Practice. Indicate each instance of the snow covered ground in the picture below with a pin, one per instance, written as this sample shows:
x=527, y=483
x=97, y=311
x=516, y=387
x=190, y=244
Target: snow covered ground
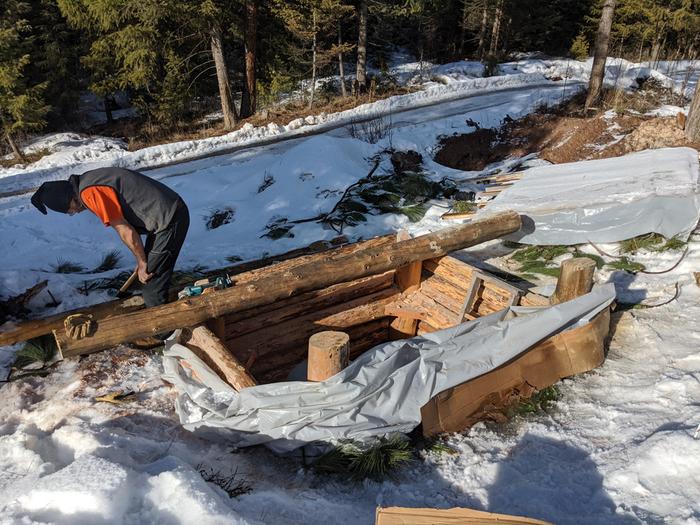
x=620, y=445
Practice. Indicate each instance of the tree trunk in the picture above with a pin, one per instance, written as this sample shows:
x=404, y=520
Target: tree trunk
x=313, y=57
x=595, y=83
x=227, y=106
x=341, y=66
x=108, y=109
x=18, y=154
x=362, y=46
x=495, y=30
x=506, y=37
x=692, y=124
x=463, y=27
x=249, y=100
x=277, y=285
x=482, y=33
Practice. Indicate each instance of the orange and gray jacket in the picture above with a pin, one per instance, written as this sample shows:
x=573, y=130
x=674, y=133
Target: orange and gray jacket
x=148, y=205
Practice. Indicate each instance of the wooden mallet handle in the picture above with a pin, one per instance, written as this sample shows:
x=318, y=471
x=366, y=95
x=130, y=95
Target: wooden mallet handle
x=129, y=282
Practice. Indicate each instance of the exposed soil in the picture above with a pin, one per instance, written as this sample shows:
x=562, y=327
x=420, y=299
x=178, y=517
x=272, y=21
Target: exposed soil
x=406, y=161
x=561, y=138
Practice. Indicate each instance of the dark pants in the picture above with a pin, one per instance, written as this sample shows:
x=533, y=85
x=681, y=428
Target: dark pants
x=162, y=249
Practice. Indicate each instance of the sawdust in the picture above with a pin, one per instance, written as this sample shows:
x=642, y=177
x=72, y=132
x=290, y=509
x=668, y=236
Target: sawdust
x=651, y=134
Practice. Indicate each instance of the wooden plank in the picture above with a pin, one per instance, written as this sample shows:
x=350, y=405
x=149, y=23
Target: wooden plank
x=567, y=353
x=279, y=285
x=425, y=328
x=451, y=269
x=480, y=281
x=407, y=280
x=212, y=351
x=454, y=516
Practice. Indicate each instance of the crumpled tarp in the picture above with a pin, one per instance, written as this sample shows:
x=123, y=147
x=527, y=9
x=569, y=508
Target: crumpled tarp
x=380, y=392
x=606, y=200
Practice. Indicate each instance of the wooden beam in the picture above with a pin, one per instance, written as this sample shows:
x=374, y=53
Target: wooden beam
x=575, y=279
x=243, y=272
x=407, y=279
x=309, y=303
x=212, y=351
x=278, y=285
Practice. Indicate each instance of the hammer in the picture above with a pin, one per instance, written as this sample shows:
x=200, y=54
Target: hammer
x=123, y=291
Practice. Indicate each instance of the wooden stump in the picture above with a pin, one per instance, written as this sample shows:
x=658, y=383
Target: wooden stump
x=575, y=279
x=328, y=354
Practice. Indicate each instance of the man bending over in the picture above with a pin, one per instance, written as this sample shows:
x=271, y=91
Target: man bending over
x=133, y=205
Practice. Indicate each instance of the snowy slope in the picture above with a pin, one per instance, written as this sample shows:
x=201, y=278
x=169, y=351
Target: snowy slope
x=619, y=447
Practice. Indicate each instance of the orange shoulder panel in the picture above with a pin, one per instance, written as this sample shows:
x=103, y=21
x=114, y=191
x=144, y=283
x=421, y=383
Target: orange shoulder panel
x=103, y=202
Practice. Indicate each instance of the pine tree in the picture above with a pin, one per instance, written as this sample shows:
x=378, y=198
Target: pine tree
x=22, y=106
x=313, y=24
x=692, y=125
x=595, y=83
x=137, y=45
x=55, y=59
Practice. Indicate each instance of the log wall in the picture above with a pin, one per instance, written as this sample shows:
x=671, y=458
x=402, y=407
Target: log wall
x=272, y=339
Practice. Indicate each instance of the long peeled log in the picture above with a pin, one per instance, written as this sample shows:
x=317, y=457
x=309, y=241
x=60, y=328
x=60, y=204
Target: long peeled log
x=285, y=283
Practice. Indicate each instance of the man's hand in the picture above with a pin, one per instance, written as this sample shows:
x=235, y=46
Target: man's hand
x=142, y=271
x=132, y=239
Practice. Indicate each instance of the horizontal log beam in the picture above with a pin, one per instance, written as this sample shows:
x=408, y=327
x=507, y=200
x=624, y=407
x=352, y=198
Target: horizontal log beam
x=297, y=331
x=279, y=285
x=241, y=323
x=244, y=272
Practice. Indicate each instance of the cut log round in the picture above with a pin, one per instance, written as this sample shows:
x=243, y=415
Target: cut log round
x=328, y=354
x=279, y=285
x=575, y=279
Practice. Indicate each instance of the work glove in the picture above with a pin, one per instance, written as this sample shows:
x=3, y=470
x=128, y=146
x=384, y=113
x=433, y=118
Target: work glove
x=78, y=325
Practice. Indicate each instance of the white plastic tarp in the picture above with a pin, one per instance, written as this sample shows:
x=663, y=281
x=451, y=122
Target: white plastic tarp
x=606, y=200
x=380, y=392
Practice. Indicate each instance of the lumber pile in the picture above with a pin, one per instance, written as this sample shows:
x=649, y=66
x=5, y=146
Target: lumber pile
x=494, y=185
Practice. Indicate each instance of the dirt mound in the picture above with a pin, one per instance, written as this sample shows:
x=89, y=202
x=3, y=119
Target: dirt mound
x=557, y=139
x=561, y=138
x=471, y=151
